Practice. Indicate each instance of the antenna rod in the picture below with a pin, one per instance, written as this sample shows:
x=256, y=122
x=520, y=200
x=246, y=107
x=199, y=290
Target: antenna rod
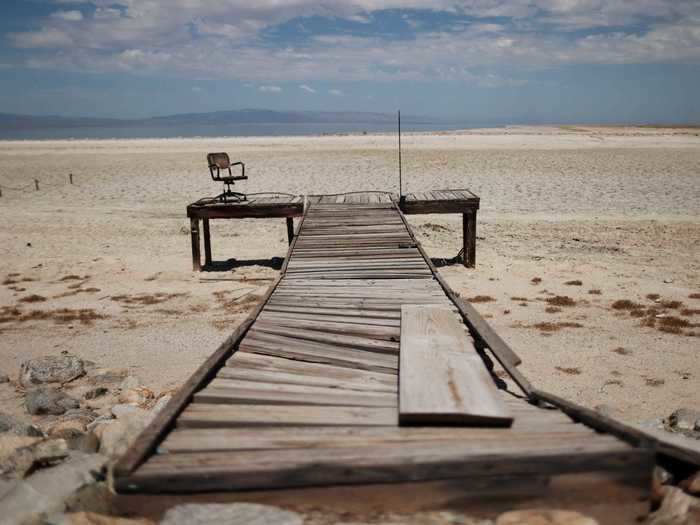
x=400, y=185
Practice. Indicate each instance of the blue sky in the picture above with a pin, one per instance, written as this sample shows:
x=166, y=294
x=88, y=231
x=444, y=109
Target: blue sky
x=500, y=60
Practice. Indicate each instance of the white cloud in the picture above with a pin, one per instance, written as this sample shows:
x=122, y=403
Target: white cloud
x=306, y=88
x=69, y=16
x=46, y=37
x=187, y=37
x=270, y=89
x=336, y=92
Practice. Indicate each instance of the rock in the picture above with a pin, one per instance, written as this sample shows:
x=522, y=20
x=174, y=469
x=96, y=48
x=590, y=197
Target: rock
x=27, y=458
x=606, y=410
x=96, y=392
x=683, y=419
x=676, y=509
x=233, y=514
x=544, y=517
x=72, y=424
x=117, y=435
x=4, y=378
x=161, y=403
x=120, y=411
x=136, y=396
x=17, y=427
x=100, y=420
x=691, y=484
x=48, y=400
x=50, y=369
x=51, y=490
x=101, y=376
x=130, y=383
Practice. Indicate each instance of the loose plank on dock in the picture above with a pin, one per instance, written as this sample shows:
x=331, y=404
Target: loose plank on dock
x=307, y=391
x=442, y=379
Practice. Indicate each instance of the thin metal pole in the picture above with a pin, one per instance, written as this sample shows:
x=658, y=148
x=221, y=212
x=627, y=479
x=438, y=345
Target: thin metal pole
x=400, y=182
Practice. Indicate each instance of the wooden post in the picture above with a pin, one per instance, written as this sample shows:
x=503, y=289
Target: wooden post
x=207, y=242
x=469, y=238
x=290, y=229
x=70, y=178
x=194, y=229
x=36, y=184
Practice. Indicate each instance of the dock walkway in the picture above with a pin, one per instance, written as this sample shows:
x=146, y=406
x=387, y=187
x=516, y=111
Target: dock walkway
x=305, y=392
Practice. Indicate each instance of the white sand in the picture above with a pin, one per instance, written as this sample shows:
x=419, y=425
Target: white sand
x=617, y=208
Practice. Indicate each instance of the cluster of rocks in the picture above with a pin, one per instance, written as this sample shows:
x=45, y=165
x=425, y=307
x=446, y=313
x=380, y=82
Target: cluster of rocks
x=684, y=421
x=78, y=418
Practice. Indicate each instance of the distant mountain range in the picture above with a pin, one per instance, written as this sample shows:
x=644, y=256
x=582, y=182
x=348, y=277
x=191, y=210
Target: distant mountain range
x=10, y=122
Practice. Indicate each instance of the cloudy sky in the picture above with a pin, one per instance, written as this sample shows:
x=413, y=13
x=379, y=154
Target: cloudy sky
x=536, y=60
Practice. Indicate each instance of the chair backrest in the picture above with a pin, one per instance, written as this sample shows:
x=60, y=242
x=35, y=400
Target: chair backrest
x=220, y=161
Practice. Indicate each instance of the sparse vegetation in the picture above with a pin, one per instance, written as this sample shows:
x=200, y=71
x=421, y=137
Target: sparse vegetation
x=595, y=291
x=555, y=327
x=671, y=304
x=690, y=311
x=536, y=280
x=552, y=309
x=622, y=351
x=33, y=299
x=561, y=300
x=651, y=381
x=694, y=296
x=653, y=296
x=626, y=304
x=146, y=299
x=571, y=371
x=480, y=299
x=519, y=299
x=575, y=282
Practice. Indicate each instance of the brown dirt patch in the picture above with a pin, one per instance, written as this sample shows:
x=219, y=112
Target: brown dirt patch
x=561, y=300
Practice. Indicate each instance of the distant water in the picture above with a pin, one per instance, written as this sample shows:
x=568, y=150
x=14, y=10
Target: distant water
x=225, y=130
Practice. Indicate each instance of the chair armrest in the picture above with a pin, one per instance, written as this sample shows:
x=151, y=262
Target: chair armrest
x=241, y=165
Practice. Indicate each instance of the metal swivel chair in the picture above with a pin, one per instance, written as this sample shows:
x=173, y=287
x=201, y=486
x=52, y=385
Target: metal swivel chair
x=219, y=162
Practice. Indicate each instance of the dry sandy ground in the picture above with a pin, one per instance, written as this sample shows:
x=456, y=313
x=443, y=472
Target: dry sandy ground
x=102, y=268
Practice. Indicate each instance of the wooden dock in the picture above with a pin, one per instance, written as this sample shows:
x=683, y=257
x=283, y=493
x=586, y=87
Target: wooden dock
x=275, y=205
x=305, y=392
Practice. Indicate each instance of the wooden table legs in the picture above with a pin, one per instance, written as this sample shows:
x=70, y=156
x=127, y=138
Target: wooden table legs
x=290, y=229
x=207, y=242
x=194, y=230
x=469, y=238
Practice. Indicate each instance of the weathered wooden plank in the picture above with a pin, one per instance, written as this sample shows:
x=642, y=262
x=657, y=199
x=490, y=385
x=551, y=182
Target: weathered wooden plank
x=378, y=464
x=270, y=438
x=239, y=391
x=200, y=415
x=441, y=376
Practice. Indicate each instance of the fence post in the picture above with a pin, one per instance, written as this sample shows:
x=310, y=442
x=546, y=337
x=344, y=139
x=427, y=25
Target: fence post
x=36, y=184
x=70, y=177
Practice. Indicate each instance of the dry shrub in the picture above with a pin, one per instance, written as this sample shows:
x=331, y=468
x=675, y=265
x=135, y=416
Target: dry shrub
x=33, y=299
x=675, y=322
x=536, y=280
x=9, y=281
x=671, y=304
x=595, y=291
x=555, y=327
x=614, y=382
x=648, y=322
x=575, y=282
x=60, y=316
x=622, y=351
x=506, y=312
x=625, y=304
x=651, y=381
x=552, y=309
x=72, y=277
x=653, y=296
x=435, y=227
x=146, y=299
x=561, y=300
x=690, y=311
x=480, y=299
x=694, y=296
x=638, y=313
x=521, y=299
x=9, y=314
x=570, y=371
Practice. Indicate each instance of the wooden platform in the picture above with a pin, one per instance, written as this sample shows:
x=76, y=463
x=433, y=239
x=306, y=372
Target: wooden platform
x=274, y=205
x=304, y=393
